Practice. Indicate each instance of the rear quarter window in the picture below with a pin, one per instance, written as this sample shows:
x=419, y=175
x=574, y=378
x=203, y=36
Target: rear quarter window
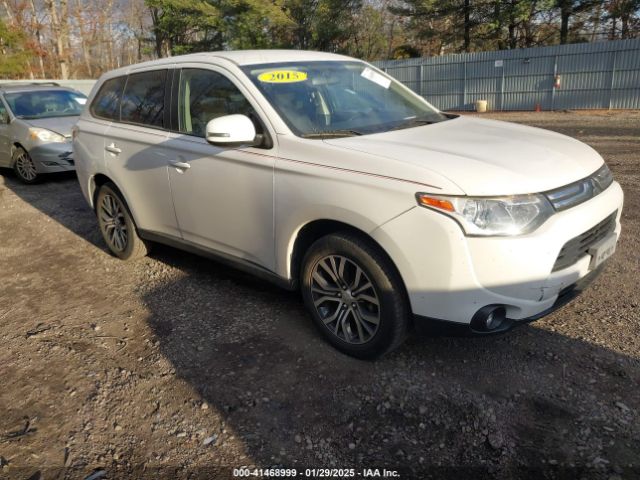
x=107, y=101
x=143, y=99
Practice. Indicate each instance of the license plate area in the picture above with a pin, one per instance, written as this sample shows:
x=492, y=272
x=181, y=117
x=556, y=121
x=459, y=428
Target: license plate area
x=602, y=250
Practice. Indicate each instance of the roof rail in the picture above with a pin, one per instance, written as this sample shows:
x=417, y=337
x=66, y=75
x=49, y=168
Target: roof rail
x=27, y=83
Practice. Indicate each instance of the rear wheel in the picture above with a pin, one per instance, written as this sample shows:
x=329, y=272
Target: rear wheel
x=24, y=167
x=117, y=226
x=354, y=295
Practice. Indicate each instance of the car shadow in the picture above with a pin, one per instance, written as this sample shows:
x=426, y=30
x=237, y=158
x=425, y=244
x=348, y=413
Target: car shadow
x=534, y=403
x=70, y=210
x=529, y=404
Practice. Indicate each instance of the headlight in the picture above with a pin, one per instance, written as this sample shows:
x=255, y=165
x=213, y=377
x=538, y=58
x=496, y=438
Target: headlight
x=603, y=178
x=500, y=216
x=45, y=135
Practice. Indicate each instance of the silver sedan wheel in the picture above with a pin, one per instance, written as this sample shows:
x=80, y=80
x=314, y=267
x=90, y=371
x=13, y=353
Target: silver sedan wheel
x=113, y=222
x=345, y=299
x=25, y=167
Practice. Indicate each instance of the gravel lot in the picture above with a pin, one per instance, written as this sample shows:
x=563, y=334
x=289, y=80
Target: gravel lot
x=177, y=367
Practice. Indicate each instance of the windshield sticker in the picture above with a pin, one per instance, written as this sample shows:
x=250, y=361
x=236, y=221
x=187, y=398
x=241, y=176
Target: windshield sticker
x=375, y=77
x=81, y=101
x=282, y=76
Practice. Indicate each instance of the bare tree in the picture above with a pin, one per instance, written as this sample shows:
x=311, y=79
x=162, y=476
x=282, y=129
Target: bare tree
x=60, y=28
x=84, y=36
x=36, y=26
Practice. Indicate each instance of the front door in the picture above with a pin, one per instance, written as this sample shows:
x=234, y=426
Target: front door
x=5, y=137
x=223, y=197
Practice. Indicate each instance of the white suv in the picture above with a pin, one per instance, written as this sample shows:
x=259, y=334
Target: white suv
x=322, y=173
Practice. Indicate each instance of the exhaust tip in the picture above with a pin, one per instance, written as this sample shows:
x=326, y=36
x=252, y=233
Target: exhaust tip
x=491, y=318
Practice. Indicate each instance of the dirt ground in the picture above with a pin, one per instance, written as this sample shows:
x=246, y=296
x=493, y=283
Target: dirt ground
x=177, y=367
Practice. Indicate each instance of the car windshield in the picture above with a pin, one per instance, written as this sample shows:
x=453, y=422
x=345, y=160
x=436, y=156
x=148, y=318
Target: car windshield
x=334, y=99
x=45, y=103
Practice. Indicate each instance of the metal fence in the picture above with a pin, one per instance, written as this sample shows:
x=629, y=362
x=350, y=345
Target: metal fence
x=603, y=75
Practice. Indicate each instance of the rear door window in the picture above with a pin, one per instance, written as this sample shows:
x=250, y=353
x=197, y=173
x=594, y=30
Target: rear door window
x=143, y=99
x=107, y=101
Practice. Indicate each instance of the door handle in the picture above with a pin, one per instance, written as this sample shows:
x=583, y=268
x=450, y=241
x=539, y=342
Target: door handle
x=113, y=148
x=180, y=165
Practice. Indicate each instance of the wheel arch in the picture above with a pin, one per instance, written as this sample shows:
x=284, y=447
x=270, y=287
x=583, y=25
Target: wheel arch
x=100, y=179
x=14, y=147
x=317, y=229
x=95, y=183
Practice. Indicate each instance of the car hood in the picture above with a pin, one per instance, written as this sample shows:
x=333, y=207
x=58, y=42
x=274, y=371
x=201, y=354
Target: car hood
x=484, y=157
x=61, y=125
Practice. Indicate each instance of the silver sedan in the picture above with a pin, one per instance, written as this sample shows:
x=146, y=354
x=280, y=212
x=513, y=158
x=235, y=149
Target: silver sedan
x=35, y=128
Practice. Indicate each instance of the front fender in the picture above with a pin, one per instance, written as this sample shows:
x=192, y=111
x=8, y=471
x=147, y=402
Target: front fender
x=346, y=198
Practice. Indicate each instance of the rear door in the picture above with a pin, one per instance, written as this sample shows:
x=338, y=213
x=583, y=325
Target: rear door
x=88, y=142
x=135, y=151
x=223, y=196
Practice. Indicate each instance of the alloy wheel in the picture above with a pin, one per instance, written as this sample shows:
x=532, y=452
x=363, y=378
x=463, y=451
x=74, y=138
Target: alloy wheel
x=345, y=299
x=26, y=167
x=113, y=221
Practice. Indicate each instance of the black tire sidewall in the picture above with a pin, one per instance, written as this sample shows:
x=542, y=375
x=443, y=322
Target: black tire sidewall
x=393, y=306
x=132, y=236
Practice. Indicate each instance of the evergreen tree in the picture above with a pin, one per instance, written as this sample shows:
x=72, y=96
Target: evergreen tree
x=14, y=53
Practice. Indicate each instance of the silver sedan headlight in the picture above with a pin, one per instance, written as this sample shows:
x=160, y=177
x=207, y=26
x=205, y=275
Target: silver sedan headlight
x=499, y=216
x=45, y=135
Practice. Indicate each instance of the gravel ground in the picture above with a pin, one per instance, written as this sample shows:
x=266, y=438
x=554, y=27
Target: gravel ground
x=177, y=367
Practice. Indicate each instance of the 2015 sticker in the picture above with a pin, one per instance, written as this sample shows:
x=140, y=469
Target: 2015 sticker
x=282, y=76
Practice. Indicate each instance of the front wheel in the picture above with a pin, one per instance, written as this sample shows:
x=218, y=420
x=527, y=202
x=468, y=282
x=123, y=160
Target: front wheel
x=24, y=167
x=355, y=295
x=117, y=226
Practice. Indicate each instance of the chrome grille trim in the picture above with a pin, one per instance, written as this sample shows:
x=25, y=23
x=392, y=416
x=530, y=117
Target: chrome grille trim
x=579, y=192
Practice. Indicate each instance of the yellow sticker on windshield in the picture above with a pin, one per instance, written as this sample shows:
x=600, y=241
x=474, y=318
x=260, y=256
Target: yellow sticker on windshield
x=282, y=76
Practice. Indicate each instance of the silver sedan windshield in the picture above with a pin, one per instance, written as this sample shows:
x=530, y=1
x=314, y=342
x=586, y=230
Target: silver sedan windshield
x=324, y=99
x=45, y=103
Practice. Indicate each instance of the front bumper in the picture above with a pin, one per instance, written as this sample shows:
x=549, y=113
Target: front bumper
x=53, y=157
x=433, y=326
x=449, y=276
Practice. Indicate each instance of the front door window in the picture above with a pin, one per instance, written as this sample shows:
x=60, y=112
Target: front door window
x=205, y=95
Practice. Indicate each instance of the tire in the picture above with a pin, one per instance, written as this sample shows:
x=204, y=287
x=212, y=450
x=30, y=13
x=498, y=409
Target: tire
x=343, y=308
x=117, y=226
x=24, y=167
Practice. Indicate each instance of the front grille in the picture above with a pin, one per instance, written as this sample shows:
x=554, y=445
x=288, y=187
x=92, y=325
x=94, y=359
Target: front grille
x=578, y=247
x=580, y=191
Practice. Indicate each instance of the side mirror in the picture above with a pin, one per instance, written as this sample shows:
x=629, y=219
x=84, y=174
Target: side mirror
x=231, y=131
x=4, y=118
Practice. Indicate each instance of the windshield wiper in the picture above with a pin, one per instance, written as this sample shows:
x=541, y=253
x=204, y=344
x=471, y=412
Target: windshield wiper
x=332, y=134
x=413, y=122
